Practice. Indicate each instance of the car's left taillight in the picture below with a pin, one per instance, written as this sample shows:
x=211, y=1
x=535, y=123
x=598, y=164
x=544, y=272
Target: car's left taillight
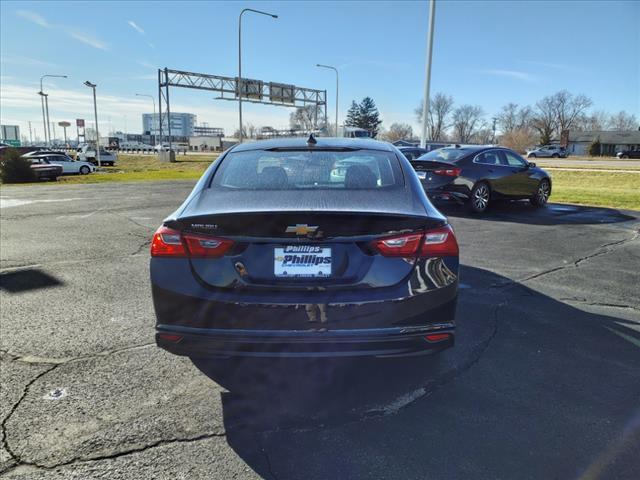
x=168, y=242
x=435, y=242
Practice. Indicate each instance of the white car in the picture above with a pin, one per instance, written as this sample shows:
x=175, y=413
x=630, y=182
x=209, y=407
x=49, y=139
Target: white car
x=88, y=154
x=68, y=164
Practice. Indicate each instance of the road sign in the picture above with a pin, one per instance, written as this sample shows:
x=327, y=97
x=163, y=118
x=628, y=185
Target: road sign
x=13, y=143
x=80, y=122
x=64, y=124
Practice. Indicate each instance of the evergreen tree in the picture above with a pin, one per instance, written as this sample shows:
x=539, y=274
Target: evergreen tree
x=594, y=148
x=369, y=116
x=353, y=115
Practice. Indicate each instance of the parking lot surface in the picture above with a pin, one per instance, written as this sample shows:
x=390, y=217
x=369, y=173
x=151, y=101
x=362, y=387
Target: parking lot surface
x=544, y=380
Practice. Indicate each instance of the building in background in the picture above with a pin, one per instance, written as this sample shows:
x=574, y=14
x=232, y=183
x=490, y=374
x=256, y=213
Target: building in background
x=10, y=134
x=182, y=124
x=611, y=142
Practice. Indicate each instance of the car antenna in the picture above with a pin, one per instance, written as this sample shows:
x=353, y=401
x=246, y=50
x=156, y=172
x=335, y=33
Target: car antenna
x=311, y=140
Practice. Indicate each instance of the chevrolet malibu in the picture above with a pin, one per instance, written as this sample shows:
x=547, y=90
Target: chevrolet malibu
x=301, y=248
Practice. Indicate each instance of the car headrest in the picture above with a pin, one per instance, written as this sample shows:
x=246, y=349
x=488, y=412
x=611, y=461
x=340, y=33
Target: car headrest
x=273, y=177
x=360, y=176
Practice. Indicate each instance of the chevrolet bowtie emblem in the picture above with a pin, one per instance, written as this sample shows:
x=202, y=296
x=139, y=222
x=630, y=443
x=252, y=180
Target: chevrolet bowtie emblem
x=301, y=229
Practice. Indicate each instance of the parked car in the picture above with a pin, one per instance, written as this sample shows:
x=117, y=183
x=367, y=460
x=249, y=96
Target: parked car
x=68, y=164
x=272, y=255
x=548, y=151
x=44, y=169
x=413, y=152
x=87, y=153
x=633, y=153
x=478, y=175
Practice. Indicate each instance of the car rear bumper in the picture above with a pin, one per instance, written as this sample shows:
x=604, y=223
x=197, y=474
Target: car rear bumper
x=382, y=342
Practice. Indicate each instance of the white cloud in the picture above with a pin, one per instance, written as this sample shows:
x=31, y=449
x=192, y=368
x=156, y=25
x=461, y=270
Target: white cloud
x=69, y=30
x=136, y=27
x=515, y=74
x=89, y=40
x=34, y=18
x=151, y=45
x=555, y=66
x=146, y=64
x=26, y=61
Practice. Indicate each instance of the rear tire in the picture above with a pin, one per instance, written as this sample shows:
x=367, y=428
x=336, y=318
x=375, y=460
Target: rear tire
x=542, y=194
x=555, y=155
x=480, y=197
x=532, y=155
x=626, y=157
x=84, y=170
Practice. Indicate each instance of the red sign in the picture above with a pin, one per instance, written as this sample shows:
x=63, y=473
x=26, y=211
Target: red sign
x=80, y=122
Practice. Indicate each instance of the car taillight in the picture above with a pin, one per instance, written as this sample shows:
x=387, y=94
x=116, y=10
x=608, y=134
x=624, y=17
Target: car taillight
x=436, y=242
x=440, y=242
x=168, y=242
x=448, y=172
x=400, y=246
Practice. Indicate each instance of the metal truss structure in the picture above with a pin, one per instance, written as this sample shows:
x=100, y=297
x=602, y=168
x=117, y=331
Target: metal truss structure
x=254, y=91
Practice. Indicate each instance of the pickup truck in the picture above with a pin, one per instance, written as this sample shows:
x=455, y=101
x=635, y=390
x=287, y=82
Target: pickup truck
x=87, y=153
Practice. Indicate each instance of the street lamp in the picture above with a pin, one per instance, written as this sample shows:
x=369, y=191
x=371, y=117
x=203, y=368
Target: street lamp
x=153, y=122
x=337, y=85
x=240, y=59
x=95, y=111
x=44, y=100
x=427, y=80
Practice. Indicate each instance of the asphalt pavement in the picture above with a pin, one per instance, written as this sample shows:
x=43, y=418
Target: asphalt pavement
x=543, y=383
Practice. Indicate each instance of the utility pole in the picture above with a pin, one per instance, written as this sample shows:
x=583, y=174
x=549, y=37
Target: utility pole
x=95, y=111
x=427, y=80
x=239, y=82
x=30, y=134
x=337, y=90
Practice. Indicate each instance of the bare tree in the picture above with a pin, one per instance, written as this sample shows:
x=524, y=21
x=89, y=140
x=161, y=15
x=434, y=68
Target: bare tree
x=466, y=120
x=508, y=118
x=438, y=117
x=304, y=118
x=623, y=121
x=519, y=139
x=568, y=108
x=598, y=120
x=513, y=117
x=397, y=131
x=545, y=120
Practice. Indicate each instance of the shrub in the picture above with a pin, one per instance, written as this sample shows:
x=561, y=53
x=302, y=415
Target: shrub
x=14, y=168
x=594, y=148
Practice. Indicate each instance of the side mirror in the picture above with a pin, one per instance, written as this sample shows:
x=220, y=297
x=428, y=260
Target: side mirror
x=531, y=165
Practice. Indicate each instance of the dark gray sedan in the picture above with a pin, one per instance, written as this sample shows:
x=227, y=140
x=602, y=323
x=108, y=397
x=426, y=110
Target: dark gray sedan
x=324, y=247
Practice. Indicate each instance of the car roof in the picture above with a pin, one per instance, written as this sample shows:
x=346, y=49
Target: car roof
x=322, y=142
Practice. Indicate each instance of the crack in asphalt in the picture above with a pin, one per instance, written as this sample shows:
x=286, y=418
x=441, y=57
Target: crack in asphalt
x=32, y=359
x=601, y=250
x=584, y=301
x=114, y=455
x=5, y=441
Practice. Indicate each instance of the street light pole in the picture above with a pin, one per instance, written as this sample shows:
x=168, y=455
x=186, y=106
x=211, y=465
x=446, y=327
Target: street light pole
x=95, y=111
x=337, y=89
x=153, y=122
x=45, y=104
x=427, y=80
x=239, y=82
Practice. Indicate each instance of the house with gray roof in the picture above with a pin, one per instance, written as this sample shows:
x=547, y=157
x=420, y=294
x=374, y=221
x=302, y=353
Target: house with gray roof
x=611, y=142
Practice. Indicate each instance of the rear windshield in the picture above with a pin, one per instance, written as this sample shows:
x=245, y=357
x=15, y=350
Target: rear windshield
x=306, y=169
x=446, y=154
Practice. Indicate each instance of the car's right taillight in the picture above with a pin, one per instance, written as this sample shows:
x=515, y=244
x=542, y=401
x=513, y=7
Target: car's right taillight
x=439, y=242
x=435, y=242
x=168, y=242
x=448, y=172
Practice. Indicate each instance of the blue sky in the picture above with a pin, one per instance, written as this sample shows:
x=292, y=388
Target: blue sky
x=485, y=53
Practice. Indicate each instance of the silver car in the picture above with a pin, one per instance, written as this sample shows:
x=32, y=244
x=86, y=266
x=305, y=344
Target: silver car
x=548, y=151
